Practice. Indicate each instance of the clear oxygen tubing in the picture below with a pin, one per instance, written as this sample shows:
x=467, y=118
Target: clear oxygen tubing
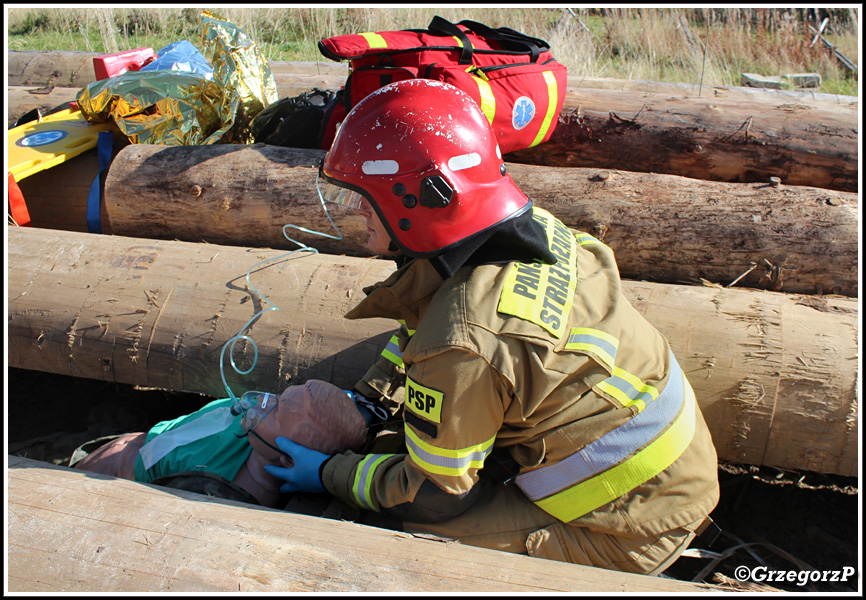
x=230, y=343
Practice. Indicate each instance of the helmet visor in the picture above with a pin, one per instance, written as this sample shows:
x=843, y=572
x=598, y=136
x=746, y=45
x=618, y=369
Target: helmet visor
x=330, y=192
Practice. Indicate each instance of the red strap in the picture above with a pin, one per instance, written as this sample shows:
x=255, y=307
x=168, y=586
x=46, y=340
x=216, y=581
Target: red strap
x=17, y=206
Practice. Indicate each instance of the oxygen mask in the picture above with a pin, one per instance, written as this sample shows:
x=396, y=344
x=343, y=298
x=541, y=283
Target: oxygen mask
x=256, y=406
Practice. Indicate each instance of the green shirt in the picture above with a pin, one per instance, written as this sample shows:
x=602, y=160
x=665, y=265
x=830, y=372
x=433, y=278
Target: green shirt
x=221, y=447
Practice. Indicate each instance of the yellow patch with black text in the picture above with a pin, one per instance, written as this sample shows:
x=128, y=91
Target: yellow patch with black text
x=423, y=401
x=543, y=294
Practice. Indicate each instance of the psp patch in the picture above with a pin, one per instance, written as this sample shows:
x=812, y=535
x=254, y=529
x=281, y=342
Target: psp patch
x=423, y=401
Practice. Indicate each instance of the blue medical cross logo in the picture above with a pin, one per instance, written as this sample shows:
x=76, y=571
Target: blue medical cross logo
x=522, y=114
x=41, y=138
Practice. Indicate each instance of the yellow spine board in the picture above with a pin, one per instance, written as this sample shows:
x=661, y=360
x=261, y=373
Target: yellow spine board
x=39, y=145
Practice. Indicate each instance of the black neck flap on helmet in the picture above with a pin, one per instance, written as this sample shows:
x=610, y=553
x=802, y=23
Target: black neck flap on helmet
x=519, y=239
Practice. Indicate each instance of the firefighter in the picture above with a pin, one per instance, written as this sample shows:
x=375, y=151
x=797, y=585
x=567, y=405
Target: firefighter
x=542, y=414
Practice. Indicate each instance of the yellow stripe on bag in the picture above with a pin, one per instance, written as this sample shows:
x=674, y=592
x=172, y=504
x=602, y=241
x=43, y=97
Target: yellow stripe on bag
x=488, y=100
x=552, y=97
x=374, y=40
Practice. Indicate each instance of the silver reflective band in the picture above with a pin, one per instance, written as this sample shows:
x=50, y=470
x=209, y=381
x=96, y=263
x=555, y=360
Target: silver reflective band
x=338, y=195
x=612, y=448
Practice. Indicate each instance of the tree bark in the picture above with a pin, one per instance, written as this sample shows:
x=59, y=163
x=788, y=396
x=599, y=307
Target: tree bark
x=716, y=139
x=775, y=374
x=21, y=100
x=71, y=531
x=663, y=228
x=725, y=137
x=75, y=69
x=64, y=207
x=61, y=68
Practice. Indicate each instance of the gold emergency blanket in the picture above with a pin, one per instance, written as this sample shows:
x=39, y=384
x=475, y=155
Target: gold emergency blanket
x=183, y=108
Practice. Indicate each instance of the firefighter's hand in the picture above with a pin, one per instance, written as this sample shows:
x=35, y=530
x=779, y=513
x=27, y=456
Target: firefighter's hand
x=305, y=475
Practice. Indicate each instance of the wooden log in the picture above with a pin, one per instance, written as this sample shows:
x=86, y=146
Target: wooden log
x=775, y=374
x=73, y=531
x=812, y=98
x=20, y=100
x=54, y=206
x=61, y=68
x=195, y=300
x=57, y=198
x=293, y=80
x=663, y=228
x=716, y=139
x=75, y=69
x=802, y=142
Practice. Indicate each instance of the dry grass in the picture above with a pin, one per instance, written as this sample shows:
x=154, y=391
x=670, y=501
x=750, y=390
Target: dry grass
x=654, y=44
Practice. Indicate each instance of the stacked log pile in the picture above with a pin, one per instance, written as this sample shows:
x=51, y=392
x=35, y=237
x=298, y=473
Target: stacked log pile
x=664, y=228
x=775, y=374
x=732, y=218
x=729, y=136
x=733, y=214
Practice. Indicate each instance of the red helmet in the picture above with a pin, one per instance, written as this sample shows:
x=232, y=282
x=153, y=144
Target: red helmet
x=425, y=157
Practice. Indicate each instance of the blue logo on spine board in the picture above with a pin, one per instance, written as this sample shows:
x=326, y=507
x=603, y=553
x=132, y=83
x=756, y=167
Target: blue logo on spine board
x=41, y=138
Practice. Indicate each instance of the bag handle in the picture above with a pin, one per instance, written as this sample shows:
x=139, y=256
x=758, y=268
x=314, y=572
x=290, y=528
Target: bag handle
x=509, y=38
x=440, y=25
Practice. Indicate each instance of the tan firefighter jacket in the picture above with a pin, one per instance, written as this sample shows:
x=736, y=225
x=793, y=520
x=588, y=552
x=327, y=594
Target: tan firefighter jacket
x=551, y=363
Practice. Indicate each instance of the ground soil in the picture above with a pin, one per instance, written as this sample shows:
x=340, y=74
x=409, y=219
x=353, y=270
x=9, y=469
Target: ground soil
x=782, y=520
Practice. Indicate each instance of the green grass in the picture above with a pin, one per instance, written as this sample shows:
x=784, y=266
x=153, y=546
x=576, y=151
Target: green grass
x=652, y=44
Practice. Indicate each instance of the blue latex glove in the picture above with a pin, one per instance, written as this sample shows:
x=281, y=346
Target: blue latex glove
x=305, y=475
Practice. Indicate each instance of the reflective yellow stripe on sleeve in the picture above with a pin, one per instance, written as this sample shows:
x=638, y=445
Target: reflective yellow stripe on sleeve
x=584, y=238
x=624, y=387
x=411, y=332
x=364, y=479
x=628, y=389
x=374, y=40
x=550, y=115
x=392, y=351
x=444, y=461
x=643, y=466
x=600, y=344
x=392, y=348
